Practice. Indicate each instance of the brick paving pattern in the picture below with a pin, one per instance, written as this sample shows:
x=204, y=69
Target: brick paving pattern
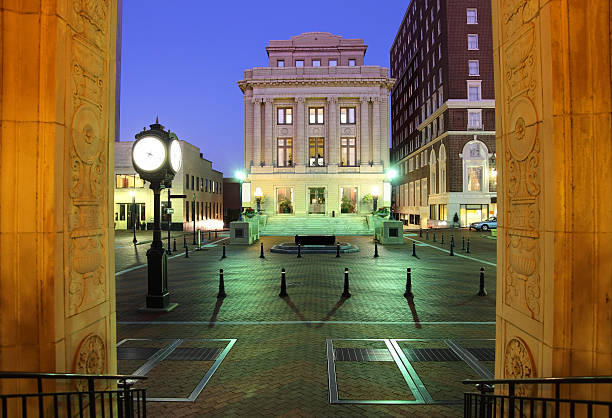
x=278, y=366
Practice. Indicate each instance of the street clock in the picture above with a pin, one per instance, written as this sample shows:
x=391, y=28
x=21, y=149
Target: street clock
x=157, y=154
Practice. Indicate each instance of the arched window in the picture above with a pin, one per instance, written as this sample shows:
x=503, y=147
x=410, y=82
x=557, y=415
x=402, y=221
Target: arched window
x=475, y=157
x=433, y=185
x=442, y=164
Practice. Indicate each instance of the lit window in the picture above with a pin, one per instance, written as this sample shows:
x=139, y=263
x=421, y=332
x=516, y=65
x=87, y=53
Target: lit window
x=284, y=199
x=472, y=16
x=352, y=62
x=347, y=115
x=316, y=63
x=315, y=115
x=285, y=152
x=472, y=42
x=474, y=119
x=474, y=67
x=347, y=152
x=333, y=63
x=285, y=115
x=316, y=152
x=125, y=181
x=473, y=91
x=299, y=63
x=280, y=63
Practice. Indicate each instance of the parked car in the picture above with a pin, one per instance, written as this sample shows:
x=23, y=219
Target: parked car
x=490, y=223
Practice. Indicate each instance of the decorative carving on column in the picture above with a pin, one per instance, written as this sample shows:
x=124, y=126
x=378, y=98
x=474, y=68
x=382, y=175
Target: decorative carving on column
x=522, y=179
x=518, y=363
x=90, y=358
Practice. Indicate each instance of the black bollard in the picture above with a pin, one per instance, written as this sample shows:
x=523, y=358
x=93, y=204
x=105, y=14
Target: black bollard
x=408, y=293
x=184, y=241
x=283, y=292
x=467, y=250
x=221, y=293
x=209, y=234
x=452, y=240
x=261, y=254
x=413, y=249
x=463, y=243
x=442, y=239
x=216, y=234
x=299, y=251
x=427, y=234
x=376, y=250
x=337, y=250
x=186, y=251
x=420, y=232
x=481, y=291
x=174, y=249
x=451, y=252
x=346, y=293
x=434, y=237
x=223, y=256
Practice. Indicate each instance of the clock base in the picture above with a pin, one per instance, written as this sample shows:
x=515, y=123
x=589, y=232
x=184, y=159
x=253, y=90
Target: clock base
x=168, y=308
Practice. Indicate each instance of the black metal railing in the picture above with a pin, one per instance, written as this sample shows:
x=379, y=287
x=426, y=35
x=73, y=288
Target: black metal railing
x=96, y=396
x=515, y=398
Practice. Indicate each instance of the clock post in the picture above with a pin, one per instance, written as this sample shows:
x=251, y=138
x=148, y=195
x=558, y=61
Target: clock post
x=157, y=158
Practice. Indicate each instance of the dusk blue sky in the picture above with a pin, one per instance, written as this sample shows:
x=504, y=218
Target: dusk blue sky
x=181, y=60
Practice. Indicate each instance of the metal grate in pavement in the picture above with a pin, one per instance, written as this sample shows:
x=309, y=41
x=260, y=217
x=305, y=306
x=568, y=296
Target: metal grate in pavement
x=483, y=354
x=135, y=353
x=362, y=354
x=194, y=354
x=430, y=354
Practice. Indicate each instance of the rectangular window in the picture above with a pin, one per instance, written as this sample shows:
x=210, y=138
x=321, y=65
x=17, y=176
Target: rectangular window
x=473, y=91
x=186, y=181
x=348, y=152
x=122, y=212
x=206, y=189
x=347, y=115
x=316, y=63
x=474, y=179
x=316, y=152
x=474, y=119
x=299, y=63
x=474, y=67
x=284, y=199
x=125, y=181
x=197, y=216
x=472, y=42
x=186, y=211
x=192, y=183
x=315, y=115
x=285, y=152
x=442, y=212
x=284, y=116
x=280, y=63
x=432, y=212
x=352, y=62
x=472, y=16
x=333, y=63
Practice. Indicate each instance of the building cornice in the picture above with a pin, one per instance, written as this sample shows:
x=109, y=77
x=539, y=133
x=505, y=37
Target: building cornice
x=386, y=83
x=457, y=104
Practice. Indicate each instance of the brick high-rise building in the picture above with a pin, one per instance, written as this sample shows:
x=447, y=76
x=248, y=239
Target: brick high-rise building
x=443, y=113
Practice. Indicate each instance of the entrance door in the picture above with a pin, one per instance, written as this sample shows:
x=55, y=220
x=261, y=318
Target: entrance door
x=316, y=200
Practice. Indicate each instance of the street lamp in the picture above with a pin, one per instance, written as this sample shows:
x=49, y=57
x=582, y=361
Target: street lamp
x=240, y=176
x=375, y=193
x=258, y=196
x=391, y=174
x=157, y=157
x=133, y=194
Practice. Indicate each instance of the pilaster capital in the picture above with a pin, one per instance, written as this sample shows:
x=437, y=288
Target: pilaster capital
x=300, y=99
x=364, y=99
x=256, y=99
x=332, y=99
x=376, y=99
x=268, y=100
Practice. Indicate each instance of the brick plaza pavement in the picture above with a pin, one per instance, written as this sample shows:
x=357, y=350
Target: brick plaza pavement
x=278, y=365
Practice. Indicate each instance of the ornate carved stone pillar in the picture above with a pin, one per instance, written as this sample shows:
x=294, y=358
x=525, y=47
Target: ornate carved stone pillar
x=248, y=130
x=56, y=188
x=268, y=125
x=554, y=153
x=299, y=144
x=257, y=143
x=332, y=131
x=364, y=140
x=376, y=130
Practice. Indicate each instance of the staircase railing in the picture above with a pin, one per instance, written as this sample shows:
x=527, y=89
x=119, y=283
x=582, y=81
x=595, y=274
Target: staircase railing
x=114, y=396
x=518, y=399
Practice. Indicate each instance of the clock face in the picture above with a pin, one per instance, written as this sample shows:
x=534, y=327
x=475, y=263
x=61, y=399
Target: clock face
x=176, y=155
x=149, y=153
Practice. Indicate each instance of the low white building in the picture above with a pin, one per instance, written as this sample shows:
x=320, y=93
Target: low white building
x=197, y=180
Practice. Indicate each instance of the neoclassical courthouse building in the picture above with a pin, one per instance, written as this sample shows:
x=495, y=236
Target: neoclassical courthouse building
x=316, y=128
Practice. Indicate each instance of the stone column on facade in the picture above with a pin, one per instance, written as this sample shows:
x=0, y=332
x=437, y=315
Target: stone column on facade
x=248, y=131
x=257, y=143
x=364, y=141
x=268, y=125
x=56, y=189
x=553, y=270
x=299, y=144
x=376, y=130
x=384, y=132
x=332, y=132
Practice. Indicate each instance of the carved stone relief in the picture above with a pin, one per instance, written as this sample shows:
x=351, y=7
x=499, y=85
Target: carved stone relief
x=90, y=358
x=519, y=364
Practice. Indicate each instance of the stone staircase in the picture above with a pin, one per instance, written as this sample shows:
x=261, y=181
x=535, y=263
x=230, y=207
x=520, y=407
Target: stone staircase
x=316, y=225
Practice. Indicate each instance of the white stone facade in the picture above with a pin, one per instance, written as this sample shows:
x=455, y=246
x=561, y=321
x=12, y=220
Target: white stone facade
x=358, y=93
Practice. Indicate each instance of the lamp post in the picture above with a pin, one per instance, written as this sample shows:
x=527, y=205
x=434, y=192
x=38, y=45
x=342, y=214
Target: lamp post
x=157, y=157
x=258, y=196
x=391, y=174
x=375, y=193
x=133, y=194
x=240, y=176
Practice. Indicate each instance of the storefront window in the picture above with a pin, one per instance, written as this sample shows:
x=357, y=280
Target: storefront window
x=284, y=199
